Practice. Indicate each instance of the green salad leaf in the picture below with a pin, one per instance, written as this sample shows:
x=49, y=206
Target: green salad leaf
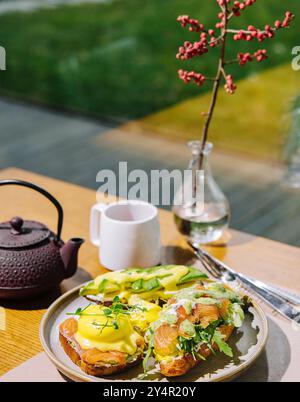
x=218, y=338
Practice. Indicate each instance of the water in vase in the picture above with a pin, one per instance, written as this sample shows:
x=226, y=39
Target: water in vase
x=200, y=227
x=204, y=218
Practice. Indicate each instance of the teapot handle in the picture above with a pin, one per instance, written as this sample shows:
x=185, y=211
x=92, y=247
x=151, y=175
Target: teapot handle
x=46, y=194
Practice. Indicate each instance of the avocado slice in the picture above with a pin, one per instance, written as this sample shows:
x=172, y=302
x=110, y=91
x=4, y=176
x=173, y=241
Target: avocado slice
x=105, y=286
x=192, y=275
x=89, y=289
x=151, y=284
x=142, y=285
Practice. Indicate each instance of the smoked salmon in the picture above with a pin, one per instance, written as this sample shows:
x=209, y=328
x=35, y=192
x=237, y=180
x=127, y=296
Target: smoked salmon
x=196, y=322
x=93, y=361
x=165, y=339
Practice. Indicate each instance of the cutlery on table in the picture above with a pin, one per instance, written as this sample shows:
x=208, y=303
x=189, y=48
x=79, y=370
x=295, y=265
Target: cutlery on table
x=280, y=302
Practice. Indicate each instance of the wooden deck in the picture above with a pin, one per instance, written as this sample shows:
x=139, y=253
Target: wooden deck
x=74, y=149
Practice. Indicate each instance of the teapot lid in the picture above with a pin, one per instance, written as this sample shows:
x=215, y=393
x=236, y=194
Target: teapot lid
x=18, y=233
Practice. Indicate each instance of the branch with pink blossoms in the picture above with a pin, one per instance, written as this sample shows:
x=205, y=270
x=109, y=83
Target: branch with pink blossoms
x=217, y=37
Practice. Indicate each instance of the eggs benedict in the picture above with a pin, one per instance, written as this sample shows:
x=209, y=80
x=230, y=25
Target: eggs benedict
x=174, y=314
x=101, y=340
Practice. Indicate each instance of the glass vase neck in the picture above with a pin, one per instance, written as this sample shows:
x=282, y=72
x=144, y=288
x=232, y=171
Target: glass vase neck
x=197, y=162
x=196, y=146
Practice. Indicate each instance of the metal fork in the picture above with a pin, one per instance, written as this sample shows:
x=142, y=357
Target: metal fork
x=219, y=267
x=222, y=272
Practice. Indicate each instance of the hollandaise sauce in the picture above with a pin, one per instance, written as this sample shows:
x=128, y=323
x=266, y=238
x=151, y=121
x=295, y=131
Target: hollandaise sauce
x=150, y=284
x=105, y=332
x=143, y=312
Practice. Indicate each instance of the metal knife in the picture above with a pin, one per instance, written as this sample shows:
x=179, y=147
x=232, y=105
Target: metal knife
x=228, y=275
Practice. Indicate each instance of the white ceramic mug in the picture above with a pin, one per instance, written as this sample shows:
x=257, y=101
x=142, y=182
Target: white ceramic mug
x=127, y=234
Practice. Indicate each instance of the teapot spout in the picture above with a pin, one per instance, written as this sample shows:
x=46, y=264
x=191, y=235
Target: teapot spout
x=69, y=255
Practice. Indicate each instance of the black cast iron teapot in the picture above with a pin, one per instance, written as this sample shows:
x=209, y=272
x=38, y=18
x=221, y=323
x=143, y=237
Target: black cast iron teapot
x=32, y=258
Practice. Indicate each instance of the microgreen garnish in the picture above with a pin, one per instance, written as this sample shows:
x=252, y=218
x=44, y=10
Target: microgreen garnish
x=207, y=336
x=107, y=311
x=79, y=311
x=112, y=313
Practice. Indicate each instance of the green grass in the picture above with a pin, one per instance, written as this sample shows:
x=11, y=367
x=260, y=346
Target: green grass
x=118, y=59
x=254, y=121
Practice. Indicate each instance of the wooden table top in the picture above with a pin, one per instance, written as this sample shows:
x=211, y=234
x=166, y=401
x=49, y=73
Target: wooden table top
x=19, y=339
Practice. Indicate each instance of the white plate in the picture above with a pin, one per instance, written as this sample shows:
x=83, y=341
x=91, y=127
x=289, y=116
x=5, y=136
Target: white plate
x=247, y=343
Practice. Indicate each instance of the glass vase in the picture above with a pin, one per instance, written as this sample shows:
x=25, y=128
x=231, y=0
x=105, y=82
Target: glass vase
x=201, y=214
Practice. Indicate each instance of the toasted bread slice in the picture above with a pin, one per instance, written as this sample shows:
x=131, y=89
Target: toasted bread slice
x=93, y=361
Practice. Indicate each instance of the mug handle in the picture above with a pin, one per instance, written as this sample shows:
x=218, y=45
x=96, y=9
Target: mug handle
x=95, y=217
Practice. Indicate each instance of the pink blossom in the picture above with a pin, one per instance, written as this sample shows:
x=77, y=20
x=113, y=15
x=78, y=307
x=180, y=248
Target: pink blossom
x=209, y=38
x=187, y=76
x=259, y=55
x=194, y=25
x=230, y=86
x=268, y=32
x=189, y=49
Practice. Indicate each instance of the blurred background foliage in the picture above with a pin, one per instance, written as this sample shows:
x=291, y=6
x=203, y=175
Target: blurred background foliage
x=117, y=59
